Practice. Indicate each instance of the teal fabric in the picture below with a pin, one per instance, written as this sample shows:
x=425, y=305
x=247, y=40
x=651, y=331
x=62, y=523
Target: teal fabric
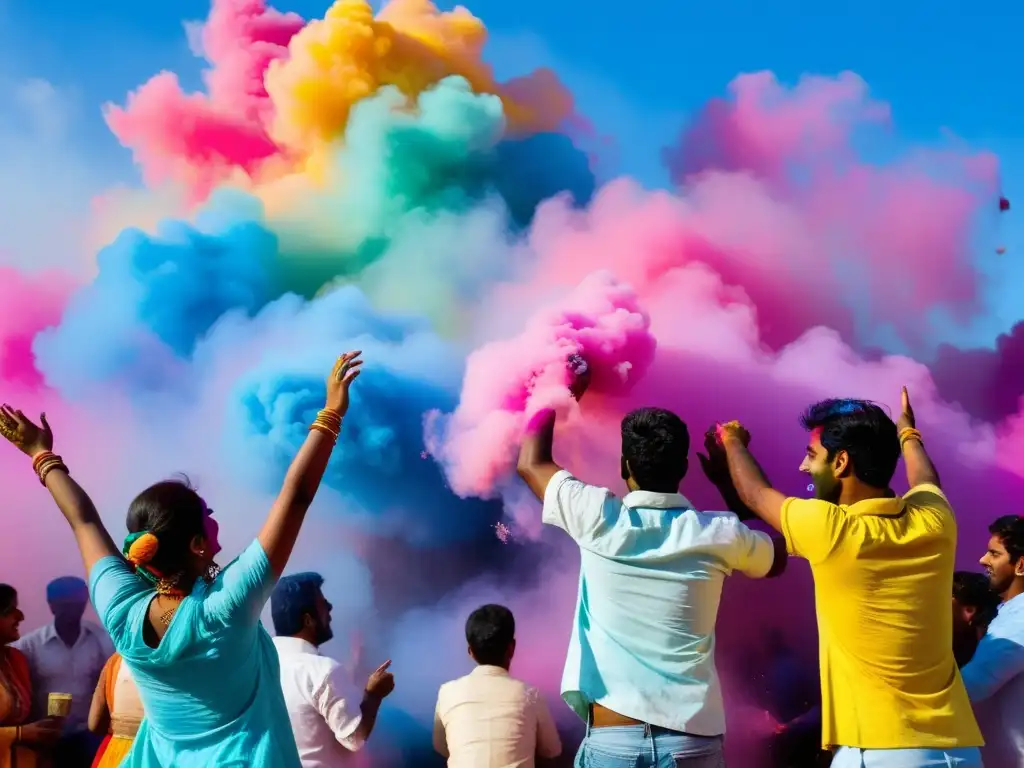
x=212, y=688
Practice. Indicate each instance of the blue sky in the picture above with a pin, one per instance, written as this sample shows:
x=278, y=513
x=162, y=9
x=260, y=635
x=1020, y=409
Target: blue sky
x=945, y=67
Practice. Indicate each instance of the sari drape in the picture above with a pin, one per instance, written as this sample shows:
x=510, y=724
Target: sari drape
x=15, y=701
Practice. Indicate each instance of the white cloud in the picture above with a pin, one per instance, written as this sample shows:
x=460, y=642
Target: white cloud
x=47, y=181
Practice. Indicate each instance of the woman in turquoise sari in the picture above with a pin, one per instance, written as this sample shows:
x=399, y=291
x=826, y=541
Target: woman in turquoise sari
x=206, y=670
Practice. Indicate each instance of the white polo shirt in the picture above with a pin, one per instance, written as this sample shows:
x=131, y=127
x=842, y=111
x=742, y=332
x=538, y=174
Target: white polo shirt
x=651, y=574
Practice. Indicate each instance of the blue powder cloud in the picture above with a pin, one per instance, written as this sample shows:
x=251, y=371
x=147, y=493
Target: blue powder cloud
x=156, y=296
x=379, y=468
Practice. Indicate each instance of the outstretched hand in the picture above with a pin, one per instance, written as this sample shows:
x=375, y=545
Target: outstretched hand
x=713, y=461
x=23, y=433
x=345, y=371
x=906, y=419
x=381, y=682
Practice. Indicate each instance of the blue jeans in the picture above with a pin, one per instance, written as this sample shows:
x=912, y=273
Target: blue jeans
x=647, y=746
x=852, y=757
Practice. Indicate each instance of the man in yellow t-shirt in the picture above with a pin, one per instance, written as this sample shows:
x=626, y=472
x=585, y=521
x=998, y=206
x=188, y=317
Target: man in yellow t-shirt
x=883, y=571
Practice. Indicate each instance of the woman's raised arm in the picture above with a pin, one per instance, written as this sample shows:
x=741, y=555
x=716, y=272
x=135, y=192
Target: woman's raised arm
x=284, y=522
x=36, y=441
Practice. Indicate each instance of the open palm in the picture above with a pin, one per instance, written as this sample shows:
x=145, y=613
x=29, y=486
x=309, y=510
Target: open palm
x=23, y=433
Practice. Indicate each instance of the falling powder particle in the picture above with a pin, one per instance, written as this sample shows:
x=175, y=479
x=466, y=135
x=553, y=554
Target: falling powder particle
x=503, y=532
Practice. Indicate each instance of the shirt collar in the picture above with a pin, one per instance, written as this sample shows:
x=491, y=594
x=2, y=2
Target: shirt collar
x=490, y=671
x=891, y=506
x=295, y=645
x=655, y=500
x=49, y=632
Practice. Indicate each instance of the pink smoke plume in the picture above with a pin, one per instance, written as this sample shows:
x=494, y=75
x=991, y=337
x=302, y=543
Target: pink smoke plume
x=31, y=303
x=508, y=381
x=796, y=214
x=199, y=140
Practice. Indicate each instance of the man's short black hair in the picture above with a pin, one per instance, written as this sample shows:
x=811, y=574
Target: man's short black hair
x=864, y=431
x=655, y=443
x=1010, y=531
x=490, y=630
x=973, y=590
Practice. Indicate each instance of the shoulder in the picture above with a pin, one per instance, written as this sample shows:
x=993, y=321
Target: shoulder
x=16, y=658
x=34, y=638
x=928, y=497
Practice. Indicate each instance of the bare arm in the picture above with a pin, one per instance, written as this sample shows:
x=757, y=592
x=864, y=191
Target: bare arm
x=91, y=535
x=920, y=470
x=36, y=441
x=281, y=529
x=99, y=713
x=752, y=487
x=536, y=465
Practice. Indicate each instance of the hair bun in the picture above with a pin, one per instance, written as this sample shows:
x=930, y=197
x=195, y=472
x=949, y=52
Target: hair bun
x=143, y=549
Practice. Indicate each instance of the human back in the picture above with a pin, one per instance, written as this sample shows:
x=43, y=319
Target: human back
x=206, y=670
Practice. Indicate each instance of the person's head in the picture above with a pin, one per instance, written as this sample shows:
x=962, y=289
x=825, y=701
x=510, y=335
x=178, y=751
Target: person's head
x=184, y=528
x=974, y=602
x=10, y=615
x=67, y=597
x=655, y=449
x=491, y=635
x=298, y=608
x=852, y=443
x=1004, y=559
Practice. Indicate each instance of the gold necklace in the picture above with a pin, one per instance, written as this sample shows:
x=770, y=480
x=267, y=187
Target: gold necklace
x=166, y=616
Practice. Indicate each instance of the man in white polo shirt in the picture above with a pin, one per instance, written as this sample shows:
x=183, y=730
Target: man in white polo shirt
x=641, y=657
x=331, y=718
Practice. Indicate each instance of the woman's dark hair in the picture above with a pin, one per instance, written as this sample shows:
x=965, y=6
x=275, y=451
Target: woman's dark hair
x=8, y=598
x=864, y=431
x=173, y=512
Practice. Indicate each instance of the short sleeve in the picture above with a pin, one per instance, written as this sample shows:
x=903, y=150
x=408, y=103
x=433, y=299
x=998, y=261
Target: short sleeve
x=579, y=509
x=114, y=588
x=440, y=737
x=752, y=552
x=930, y=498
x=339, y=704
x=242, y=588
x=811, y=527
x=549, y=744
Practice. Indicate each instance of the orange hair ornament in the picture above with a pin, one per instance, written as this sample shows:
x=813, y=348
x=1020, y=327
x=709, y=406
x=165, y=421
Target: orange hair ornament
x=139, y=549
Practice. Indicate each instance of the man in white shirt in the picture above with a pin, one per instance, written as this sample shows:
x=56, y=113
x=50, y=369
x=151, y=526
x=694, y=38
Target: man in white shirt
x=488, y=719
x=67, y=656
x=640, y=668
x=330, y=717
x=994, y=677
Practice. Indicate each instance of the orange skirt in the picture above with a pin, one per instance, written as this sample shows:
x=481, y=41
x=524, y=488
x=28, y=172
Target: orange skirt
x=114, y=750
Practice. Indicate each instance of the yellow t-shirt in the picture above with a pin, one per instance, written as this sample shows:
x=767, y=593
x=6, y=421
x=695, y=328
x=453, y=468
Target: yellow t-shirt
x=883, y=580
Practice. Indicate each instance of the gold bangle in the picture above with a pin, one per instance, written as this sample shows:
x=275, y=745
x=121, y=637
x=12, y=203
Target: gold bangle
x=49, y=467
x=321, y=428
x=909, y=433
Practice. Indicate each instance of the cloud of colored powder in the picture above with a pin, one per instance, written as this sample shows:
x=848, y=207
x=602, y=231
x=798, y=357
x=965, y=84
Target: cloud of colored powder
x=396, y=198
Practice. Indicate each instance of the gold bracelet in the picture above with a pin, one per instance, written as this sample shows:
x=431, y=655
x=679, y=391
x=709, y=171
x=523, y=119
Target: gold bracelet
x=909, y=433
x=326, y=430
x=48, y=466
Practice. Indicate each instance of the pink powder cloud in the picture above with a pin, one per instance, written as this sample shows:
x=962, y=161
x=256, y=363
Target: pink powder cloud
x=30, y=304
x=508, y=381
x=198, y=140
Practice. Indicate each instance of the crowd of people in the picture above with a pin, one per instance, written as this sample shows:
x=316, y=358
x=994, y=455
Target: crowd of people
x=182, y=672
